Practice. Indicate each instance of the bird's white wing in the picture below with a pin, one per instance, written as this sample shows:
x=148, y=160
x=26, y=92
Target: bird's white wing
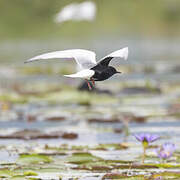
x=122, y=53
x=85, y=74
x=87, y=11
x=67, y=13
x=77, y=12
x=84, y=58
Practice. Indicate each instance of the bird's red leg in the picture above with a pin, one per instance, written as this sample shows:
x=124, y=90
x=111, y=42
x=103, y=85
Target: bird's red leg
x=89, y=86
x=93, y=82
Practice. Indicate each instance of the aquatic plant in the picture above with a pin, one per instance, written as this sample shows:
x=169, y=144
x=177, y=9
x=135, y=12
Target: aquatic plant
x=145, y=139
x=166, y=151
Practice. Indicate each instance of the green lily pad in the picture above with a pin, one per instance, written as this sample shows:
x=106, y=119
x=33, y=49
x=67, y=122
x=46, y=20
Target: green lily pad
x=82, y=98
x=81, y=158
x=33, y=158
x=166, y=175
x=30, y=173
x=22, y=177
x=13, y=98
x=121, y=176
x=5, y=173
x=168, y=166
x=18, y=177
x=13, y=174
x=146, y=166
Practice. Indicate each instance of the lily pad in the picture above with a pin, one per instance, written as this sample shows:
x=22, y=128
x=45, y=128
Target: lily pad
x=166, y=175
x=33, y=159
x=82, y=98
x=82, y=158
x=121, y=176
x=5, y=173
x=13, y=98
x=18, y=177
x=30, y=173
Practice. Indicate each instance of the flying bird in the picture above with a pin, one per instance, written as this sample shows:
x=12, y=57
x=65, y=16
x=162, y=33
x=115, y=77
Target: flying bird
x=77, y=12
x=88, y=68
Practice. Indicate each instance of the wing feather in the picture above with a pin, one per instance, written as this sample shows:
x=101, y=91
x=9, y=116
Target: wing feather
x=122, y=53
x=84, y=58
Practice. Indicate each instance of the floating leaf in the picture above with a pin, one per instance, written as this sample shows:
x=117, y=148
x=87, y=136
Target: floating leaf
x=5, y=173
x=18, y=177
x=122, y=176
x=33, y=158
x=30, y=173
x=80, y=158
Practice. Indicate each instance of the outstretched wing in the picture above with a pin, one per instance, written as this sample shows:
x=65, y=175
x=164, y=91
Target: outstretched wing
x=122, y=53
x=84, y=58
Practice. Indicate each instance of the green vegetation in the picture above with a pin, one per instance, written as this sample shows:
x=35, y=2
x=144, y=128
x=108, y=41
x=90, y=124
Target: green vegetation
x=34, y=19
x=33, y=158
x=78, y=160
x=15, y=175
x=82, y=158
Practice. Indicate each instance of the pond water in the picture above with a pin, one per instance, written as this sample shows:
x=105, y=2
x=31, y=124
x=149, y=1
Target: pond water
x=50, y=130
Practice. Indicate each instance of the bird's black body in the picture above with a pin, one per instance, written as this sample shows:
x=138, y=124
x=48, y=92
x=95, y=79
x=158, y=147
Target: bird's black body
x=103, y=71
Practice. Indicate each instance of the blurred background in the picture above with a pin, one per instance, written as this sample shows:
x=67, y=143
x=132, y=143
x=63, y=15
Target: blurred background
x=35, y=99
x=28, y=28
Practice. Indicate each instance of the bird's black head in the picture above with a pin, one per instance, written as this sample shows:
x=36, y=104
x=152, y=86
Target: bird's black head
x=112, y=70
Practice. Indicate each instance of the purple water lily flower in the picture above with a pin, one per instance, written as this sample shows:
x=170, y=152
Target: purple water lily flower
x=166, y=151
x=169, y=147
x=146, y=137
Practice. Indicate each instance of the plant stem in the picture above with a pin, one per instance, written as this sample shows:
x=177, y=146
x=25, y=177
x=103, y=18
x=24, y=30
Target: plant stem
x=144, y=154
x=145, y=145
x=126, y=130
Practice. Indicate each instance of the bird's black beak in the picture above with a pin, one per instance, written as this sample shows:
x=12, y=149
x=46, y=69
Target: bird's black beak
x=118, y=72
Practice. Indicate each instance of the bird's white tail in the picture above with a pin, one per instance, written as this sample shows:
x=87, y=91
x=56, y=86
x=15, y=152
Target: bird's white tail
x=84, y=74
